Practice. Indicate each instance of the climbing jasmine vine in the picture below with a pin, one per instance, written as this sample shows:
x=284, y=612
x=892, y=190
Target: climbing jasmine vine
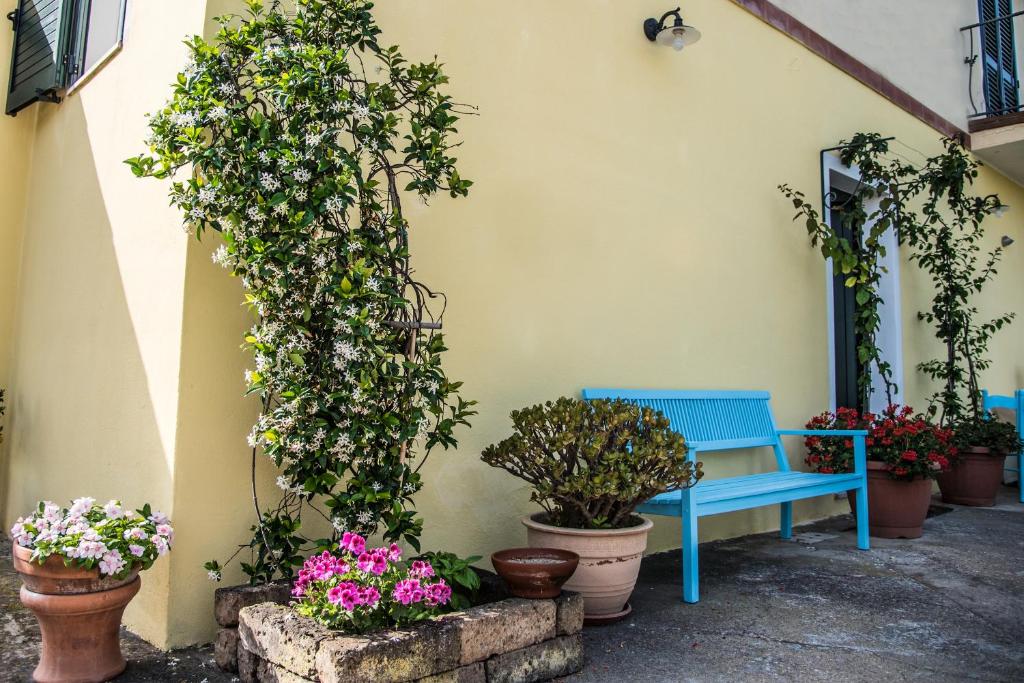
x=295, y=137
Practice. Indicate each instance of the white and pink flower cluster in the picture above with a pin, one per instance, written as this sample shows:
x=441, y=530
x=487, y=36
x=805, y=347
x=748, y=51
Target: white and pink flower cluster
x=360, y=588
x=110, y=537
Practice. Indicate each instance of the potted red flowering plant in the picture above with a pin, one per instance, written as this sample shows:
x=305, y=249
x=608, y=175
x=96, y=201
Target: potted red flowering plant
x=905, y=452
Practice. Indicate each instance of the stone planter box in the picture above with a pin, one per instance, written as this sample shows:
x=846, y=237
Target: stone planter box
x=227, y=603
x=512, y=640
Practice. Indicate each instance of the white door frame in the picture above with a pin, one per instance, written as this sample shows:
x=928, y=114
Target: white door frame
x=837, y=176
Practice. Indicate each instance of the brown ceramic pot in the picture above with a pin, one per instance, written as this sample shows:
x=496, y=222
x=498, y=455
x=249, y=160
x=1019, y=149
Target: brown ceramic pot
x=974, y=479
x=896, y=509
x=79, y=616
x=609, y=563
x=535, y=573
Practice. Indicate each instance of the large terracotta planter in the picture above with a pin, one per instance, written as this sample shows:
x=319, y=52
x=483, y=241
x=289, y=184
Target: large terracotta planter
x=896, y=509
x=609, y=563
x=79, y=616
x=974, y=479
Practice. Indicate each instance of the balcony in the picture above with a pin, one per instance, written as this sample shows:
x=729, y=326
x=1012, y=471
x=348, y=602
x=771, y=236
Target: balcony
x=996, y=118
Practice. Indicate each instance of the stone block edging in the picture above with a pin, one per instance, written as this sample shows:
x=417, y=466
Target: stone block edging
x=509, y=640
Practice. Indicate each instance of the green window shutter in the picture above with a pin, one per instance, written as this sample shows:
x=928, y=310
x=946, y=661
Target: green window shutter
x=38, y=65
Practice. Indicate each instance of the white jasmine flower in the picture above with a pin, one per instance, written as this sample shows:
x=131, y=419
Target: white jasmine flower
x=213, y=575
x=185, y=119
x=207, y=195
x=361, y=111
x=221, y=257
x=301, y=175
x=300, y=195
x=264, y=157
x=281, y=209
x=227, y=89
x=219, y=113
x=269, y=182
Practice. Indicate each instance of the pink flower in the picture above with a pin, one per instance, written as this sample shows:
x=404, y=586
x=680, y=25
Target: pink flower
x=421, y=570
x=353, y=542
x=345, y=594
x=136, y=550
x=394, y=553
x=369, y=596
x=408, y=591
x=437, y=593
x=373, y=562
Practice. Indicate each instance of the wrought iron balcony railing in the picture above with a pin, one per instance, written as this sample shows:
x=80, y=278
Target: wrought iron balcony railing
x=993, y=84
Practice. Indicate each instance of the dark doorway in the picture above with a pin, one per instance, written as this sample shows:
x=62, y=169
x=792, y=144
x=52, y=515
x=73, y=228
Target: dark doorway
x=848, y=366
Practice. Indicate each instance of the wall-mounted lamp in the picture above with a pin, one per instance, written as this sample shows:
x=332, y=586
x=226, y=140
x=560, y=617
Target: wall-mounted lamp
x=676, y=35
x=1006, y=241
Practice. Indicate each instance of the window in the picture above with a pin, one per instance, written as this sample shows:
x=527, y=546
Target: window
x=998, y=57
x=56, y=42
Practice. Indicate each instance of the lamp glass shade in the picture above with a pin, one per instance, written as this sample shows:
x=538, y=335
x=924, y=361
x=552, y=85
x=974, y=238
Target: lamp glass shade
x=678, y=37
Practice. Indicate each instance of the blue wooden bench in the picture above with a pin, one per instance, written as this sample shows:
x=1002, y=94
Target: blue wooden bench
x=1016, y=404
x=729, y=420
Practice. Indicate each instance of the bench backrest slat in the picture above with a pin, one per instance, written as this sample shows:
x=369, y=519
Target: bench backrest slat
x=1014, y=404
x=710, y=420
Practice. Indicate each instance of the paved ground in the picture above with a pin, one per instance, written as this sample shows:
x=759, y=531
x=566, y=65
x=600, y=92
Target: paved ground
x=946, y=607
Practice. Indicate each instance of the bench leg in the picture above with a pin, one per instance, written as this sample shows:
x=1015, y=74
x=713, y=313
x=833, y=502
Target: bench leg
x=691, y=579
x=786, y=522
x=862, y=518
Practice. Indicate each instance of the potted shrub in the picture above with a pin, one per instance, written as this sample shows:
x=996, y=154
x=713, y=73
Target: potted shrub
x=905, y=452
x=591, y=463
x=80, y=569
x=977, y=471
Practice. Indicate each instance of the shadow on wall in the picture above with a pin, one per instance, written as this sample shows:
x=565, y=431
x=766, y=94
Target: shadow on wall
x=81, y=418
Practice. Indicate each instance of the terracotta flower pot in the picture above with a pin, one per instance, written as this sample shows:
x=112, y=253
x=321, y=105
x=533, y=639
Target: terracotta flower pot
x=974, y=478
x=535, y=573
x=896, y=509
x=79, y=616
x=609, y=563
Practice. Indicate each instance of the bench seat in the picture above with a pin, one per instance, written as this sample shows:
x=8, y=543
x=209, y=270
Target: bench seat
x=753, y=490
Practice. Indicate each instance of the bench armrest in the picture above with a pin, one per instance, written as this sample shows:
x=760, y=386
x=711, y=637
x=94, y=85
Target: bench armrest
x=860, y=451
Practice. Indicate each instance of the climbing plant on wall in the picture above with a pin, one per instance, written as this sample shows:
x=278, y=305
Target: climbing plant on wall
x=937, y=215
x=857, y=260
x=295, y=136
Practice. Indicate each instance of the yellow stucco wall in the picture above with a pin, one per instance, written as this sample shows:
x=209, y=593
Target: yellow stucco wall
x=97, y=334
x=16, y=142
x=624, y=230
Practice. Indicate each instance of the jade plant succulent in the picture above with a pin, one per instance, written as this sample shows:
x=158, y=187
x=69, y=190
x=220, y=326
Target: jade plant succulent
x=591, y=463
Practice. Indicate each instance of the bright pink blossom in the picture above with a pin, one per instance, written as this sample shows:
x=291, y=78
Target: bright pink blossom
x=408, y=591
x=421, y=570
x=437, y=593
x=353, y=542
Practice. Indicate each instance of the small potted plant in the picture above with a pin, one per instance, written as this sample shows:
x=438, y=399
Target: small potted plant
x=977, y=471
x=590, y=464
x=80, y=569
x=905, y=452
